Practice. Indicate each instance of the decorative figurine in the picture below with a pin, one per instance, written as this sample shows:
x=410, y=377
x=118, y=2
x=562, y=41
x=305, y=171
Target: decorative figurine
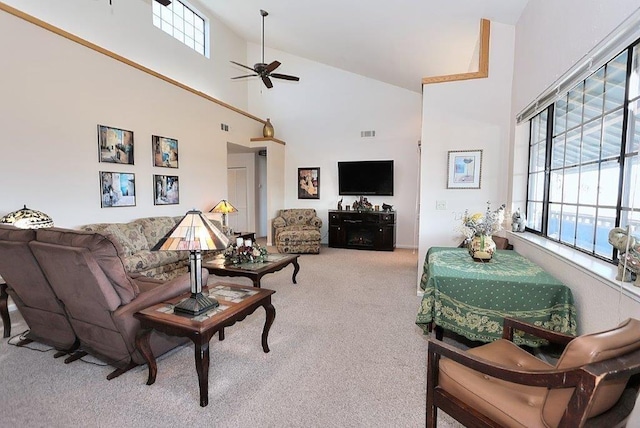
x=518, y=222
x=386, y=207
x=340, y=204
x=628, y=255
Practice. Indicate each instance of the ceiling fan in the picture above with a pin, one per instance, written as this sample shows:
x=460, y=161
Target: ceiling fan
x=265, y=71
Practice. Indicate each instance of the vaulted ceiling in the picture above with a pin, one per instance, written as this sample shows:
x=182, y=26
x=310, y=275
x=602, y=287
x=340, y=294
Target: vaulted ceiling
x=398, y=42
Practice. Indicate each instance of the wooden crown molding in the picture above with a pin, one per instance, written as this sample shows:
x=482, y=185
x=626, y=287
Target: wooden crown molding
x=483, y=60
x=60, y=32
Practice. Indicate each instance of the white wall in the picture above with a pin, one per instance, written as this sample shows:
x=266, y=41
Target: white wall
x=320, y=119
x=126, y=28
x=466, y=115
x=55, y=94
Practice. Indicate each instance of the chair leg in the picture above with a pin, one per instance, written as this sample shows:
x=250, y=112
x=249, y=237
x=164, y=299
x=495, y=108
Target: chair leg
x=60, y=354
x=75, y=356
x=118, y=372
x=432, y=374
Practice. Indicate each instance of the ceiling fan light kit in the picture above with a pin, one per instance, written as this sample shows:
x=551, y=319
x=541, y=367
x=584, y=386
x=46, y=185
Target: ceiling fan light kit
x=262, y=69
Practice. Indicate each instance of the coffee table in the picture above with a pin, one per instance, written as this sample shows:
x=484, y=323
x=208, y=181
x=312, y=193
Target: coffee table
x=236, y=303
x=254, y=271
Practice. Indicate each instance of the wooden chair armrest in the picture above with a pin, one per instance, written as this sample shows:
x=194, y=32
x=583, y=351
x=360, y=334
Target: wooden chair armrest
x=512, y=324
x=552, y=378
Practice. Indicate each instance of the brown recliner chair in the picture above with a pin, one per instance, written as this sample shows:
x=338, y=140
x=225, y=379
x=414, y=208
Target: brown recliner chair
x=32, y=294
x=594, y=383
x=100, y=298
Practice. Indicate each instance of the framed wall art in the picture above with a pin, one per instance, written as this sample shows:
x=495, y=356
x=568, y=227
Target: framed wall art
x=166, y=190
x=117, y=189
x=308, y=183
x=464, y=169
x=165, y=151
x=115, y=145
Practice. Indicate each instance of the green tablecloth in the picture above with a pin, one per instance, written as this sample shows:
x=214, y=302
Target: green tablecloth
x=472, y=298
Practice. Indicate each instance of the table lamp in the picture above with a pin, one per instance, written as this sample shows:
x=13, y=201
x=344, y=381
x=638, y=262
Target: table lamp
x=194, y=233
x=225, y=208
x=26, y=218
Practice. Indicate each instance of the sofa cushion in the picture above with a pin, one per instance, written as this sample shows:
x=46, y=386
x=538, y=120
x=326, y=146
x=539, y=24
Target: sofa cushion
x=136, y=236
x=117, y=234
x=147, y=259
x=155, y=228
x=105, y=252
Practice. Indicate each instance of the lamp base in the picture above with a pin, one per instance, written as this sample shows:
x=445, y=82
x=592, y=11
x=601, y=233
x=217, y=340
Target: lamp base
x=197, y=304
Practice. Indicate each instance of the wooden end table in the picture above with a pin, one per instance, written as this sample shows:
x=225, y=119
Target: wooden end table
x=254, y=271
x=4, y=308
x=236, y=303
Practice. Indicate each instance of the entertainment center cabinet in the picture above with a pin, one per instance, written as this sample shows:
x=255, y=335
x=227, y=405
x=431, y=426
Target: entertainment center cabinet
x=363, y=230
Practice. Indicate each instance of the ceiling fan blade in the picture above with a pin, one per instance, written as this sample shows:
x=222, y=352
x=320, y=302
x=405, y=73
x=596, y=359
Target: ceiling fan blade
x=246, y=75
x=284, y=76
x=267, y=81
x=244, y=66
x=272, y=66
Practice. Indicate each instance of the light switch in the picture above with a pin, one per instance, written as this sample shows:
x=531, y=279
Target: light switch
x=441, y=205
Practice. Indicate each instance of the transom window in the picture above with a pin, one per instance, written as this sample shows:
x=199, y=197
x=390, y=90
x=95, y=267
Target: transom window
x=583, y=159
x=182, y=22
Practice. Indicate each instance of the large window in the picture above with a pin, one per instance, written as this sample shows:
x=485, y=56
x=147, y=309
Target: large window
x=181, y=22
x=583, y=159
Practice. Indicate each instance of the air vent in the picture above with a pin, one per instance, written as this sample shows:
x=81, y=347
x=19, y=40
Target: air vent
x=262, y=153
x=224, y=127
x=367, y=134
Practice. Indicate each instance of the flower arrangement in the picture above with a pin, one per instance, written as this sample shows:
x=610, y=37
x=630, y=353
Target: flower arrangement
x=479, y=224
x=252, y=253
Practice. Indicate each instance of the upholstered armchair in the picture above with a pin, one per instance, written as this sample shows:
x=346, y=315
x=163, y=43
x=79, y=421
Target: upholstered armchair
x=297, y=230
x=594, y=383
x=88, y=276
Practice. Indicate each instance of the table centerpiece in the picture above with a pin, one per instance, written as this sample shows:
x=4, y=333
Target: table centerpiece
x=478, y=229
x=245, y=252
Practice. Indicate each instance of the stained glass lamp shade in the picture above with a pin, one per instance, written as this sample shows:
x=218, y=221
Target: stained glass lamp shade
x=26, y=218
x=194, y=233
x=225, y=208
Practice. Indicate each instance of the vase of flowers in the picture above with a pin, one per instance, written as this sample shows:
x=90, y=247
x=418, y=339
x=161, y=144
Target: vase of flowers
x=478, y=229
x=237, y=254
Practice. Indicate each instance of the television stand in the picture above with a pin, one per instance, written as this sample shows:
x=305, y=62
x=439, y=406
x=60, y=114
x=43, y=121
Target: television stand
x=362, y=230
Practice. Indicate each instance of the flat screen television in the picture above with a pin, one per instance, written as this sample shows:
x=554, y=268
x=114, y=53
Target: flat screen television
x=363, y=178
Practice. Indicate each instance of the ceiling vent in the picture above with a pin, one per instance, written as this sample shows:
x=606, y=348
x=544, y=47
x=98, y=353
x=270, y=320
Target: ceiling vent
x=224, y=127
x=367, y=134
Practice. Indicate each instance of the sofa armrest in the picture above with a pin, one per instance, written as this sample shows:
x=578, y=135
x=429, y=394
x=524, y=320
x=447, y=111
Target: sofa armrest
x=159, y=294
x=279, y=222
x=316, y=221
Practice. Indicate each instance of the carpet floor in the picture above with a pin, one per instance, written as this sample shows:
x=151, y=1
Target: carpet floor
x=345, y=352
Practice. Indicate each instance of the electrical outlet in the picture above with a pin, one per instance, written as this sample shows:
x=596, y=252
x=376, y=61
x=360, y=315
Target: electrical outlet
x=441, y=205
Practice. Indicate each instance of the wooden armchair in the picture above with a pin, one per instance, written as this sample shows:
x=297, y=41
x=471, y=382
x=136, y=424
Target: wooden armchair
x=594, y=383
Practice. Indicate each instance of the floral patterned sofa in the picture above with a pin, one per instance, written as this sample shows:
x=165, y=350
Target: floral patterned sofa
x=297, y=231
x=138, y=237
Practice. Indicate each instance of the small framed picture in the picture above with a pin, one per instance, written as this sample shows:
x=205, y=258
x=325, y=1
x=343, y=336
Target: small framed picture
x=165, y=151
x=308, y=183
x=115, y=145
x=166, y=190
x=117, y=189
x=464, y=169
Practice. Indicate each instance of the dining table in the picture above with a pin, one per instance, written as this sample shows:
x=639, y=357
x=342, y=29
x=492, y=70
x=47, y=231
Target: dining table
x=472, y=298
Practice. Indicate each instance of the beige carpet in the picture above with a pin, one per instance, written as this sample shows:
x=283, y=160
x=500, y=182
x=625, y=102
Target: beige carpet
x=345, y=352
